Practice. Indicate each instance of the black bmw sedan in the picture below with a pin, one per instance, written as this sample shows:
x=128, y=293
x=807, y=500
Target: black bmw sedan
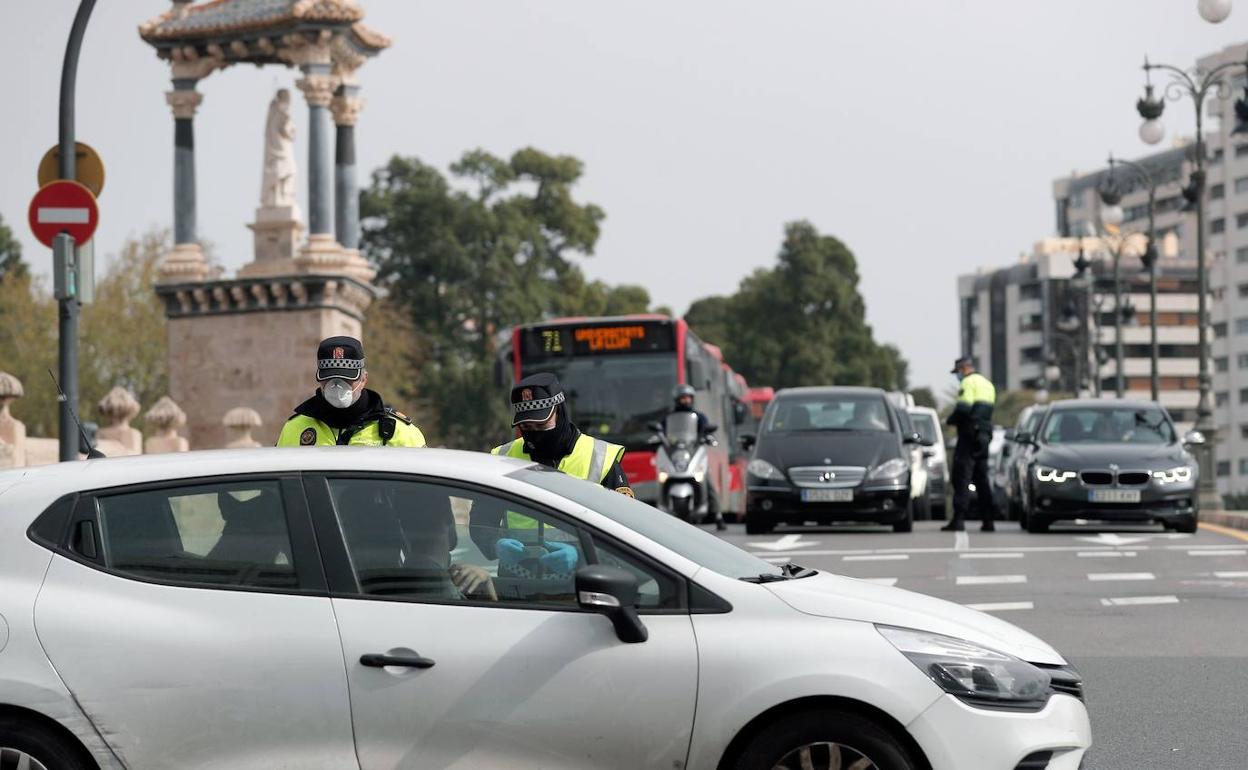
x=1109, y=461
x=830, y=454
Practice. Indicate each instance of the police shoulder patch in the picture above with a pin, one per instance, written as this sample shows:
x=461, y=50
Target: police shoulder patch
x=399, y=415
x=627, y=492
x=308, y=437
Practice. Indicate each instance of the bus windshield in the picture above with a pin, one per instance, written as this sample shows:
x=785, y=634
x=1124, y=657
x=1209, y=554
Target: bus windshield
x=615, y=397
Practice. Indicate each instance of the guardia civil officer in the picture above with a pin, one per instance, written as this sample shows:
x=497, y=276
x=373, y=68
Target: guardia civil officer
x=972, y=416
x=547, y=436
x=343, y=411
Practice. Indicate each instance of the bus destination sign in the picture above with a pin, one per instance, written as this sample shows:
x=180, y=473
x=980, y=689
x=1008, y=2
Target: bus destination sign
x=552, y=341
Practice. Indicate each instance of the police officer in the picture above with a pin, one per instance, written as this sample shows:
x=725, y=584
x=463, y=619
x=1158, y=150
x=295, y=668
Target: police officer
x=547, y=436
x=972, y=416
x=682, y=397
x=343, y=411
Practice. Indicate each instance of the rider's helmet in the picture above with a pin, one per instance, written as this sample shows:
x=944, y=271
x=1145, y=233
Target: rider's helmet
x=682, y=391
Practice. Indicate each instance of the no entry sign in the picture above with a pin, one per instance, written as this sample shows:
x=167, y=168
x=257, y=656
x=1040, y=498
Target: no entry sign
x=63, y=207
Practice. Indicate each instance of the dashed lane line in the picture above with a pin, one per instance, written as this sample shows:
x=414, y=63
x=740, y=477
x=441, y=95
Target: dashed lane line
x=1133, y=600
x=1228, y=552
x=1107, y=576
x=1001, y=606
x=877, y=557
x=1104, y=554
x=987, y=580
x=1006, y=555
x=1230, y=575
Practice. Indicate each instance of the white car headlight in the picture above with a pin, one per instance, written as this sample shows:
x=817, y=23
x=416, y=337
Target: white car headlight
x=977, y=675
x=1180, y=475
x=889, y=469
x=1053, y=475
x=764, y=470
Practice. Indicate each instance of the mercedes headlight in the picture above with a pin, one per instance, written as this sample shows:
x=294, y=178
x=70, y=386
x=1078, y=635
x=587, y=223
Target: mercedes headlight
x=977, y=675
x=889, y=469
x=1053, y=475
x=1180, y=475
x=762, y=469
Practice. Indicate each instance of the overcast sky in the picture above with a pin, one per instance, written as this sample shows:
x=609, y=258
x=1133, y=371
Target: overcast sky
x=925, y=134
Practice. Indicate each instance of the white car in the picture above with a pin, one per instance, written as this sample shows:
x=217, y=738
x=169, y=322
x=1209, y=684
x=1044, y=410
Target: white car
x=927, y=422
x=384, y=608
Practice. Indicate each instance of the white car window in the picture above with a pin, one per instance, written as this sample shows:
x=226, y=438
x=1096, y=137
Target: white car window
x=212, y=534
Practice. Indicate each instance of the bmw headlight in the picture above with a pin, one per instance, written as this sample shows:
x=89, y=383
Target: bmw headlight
x=977, y=675
x=1180, y=475
x=1053, y=475
x=889, y=469
x=761, y=469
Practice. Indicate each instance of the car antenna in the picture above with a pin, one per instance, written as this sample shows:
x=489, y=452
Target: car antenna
x=92, y=452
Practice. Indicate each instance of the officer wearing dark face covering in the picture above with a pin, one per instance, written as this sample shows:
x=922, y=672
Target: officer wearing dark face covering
x=547, y=436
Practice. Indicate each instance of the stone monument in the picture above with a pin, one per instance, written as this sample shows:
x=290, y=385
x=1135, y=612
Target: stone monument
x=251, y=339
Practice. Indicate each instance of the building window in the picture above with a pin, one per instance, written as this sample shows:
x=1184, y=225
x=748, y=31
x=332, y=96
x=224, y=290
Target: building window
x=1217, y=226
x=1241, y=220
x=1219, y=329
x=1241, y=325
x=1241, y=361
x=1029, y=291
x=1241, y=255
x=1241, y=185
x=1243, y=433
x=1217, y=192
x=1216, y=157
x=1220, y=364
x=1224, y=467
x=1243, y=466
x=1222, y=399
x=1243, y=395
x=1241, y=150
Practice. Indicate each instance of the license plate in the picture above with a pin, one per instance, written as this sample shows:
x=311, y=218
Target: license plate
x=1114, y=496
x=827, y=495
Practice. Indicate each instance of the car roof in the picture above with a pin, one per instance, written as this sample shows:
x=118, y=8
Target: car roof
x=814, y=390
x=1111, y=403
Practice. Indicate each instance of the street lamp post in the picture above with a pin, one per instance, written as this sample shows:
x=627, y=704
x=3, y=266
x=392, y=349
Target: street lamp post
x=1197, y=85
x=1148, y=258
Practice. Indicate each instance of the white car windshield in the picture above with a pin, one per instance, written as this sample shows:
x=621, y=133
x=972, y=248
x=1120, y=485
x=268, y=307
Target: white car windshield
x=694, y=544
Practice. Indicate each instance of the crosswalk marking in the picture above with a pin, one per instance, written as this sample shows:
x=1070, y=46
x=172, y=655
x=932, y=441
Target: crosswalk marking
x=1103, y=576
x=1227, y=552
x=878, y=557
x=1104, y=554
x=1131, y=600
x=984, y=580
x=1001, y=606
x=1009, y=555
x=1231, y=575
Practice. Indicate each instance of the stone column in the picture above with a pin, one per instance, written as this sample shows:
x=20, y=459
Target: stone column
x=186, y=261
x=346, y=108
x=322, y=251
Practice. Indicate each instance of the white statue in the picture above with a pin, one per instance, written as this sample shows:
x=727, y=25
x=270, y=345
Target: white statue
x=278, y=186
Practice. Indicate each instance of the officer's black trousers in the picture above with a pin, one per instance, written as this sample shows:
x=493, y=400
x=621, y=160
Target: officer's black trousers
x=971, y=467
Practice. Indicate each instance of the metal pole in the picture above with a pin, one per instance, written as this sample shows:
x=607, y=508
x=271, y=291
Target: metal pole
x=1151, y=247
x=1120, y=382
x=68, y=306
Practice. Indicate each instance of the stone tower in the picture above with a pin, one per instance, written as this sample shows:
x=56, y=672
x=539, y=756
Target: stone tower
x=248, y=341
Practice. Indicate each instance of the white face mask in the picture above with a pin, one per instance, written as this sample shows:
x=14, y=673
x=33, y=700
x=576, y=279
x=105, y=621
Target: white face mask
x=339, y=393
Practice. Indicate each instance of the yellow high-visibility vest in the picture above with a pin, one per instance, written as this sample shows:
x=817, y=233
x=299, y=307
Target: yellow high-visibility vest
x=591, y=459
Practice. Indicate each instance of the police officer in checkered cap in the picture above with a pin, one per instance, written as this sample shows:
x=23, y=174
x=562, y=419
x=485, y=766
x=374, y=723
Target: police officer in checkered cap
x=343, y=411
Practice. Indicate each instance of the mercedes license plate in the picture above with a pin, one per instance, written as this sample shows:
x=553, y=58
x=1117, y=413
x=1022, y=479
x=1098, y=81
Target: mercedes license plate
x=1114, y=496
x=827, y=495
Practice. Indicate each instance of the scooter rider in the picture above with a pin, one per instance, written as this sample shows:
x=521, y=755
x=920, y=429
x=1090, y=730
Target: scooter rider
x=343, y=411
x=683, y=396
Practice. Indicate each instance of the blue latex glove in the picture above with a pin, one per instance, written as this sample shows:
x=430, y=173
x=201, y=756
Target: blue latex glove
x=510, y=551
x=562, y=558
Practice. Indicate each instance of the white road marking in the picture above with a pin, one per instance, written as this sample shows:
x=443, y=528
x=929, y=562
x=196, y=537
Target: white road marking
x=880, y=581
x=1010, y=555
x=878, y=557
x=784, y=543
x=1226, y=575
x=1104, y=576
x=1228, y=552
x=985, y=580
x=961, y=541
x=1001, y=606
x=1104, y=554
x=63, y=216
x=1022, y=549
x=1128, y=600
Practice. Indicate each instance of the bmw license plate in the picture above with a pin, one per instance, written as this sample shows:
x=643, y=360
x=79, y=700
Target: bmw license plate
x=1114, y=496
x=827, y=495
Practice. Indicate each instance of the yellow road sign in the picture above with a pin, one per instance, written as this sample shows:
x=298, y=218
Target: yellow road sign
x=90, y=168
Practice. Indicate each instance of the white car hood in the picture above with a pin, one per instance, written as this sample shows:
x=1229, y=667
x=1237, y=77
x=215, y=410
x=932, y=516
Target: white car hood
x=834, y=596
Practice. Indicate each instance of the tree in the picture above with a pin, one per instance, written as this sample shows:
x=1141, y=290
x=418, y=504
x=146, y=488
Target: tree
x=815, y=330
x=10, y=253
x=465, y=264
x=924, y=397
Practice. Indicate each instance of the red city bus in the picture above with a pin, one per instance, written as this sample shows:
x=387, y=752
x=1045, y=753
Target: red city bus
x=619, y=374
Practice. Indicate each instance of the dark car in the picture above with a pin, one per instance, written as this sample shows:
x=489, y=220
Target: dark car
x=830, y=454
x=1109, y=461
x=1017, y=455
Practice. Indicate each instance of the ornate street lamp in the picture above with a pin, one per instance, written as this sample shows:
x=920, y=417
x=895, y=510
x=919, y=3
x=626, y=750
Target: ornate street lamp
x=1196, y=85
x=1214, y=11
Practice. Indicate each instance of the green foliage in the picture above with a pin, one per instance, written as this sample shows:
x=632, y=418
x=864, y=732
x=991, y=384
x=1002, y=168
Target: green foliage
x=924, y=397
x=11, y=263
x=466, y=264
x=802, y=322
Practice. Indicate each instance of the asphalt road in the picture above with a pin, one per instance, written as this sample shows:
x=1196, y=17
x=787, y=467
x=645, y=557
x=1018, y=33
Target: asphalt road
x=1156, y=622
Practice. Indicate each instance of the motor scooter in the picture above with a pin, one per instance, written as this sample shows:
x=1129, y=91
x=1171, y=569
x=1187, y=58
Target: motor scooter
x=682, y=463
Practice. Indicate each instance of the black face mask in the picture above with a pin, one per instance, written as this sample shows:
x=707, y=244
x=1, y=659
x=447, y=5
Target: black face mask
x=543, y=444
